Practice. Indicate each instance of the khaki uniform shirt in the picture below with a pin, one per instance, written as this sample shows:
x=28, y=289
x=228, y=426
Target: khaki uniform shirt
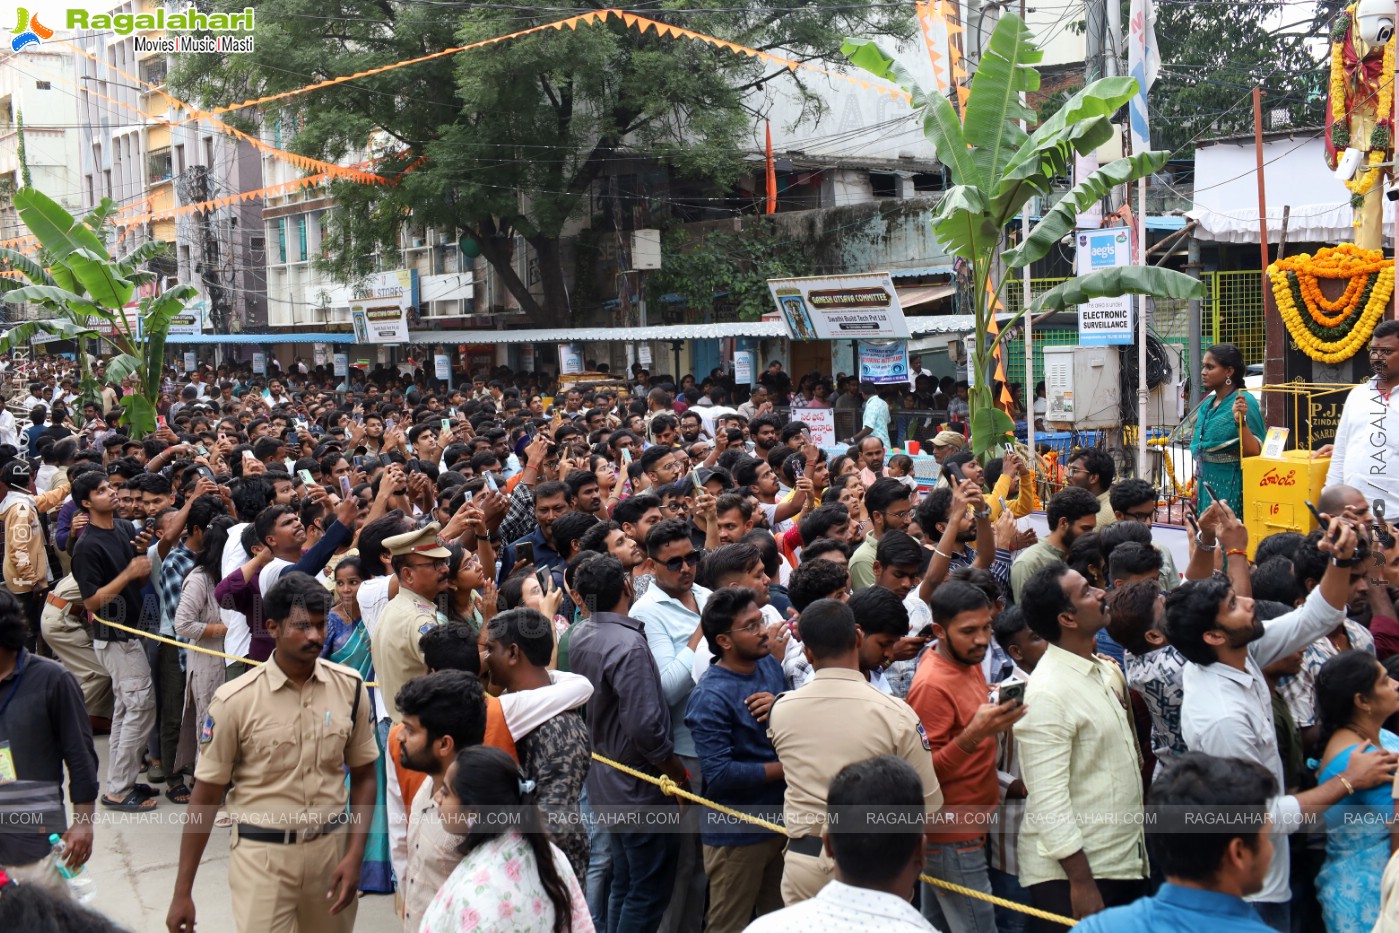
x=283, y=747
x=397, y=657
x=812, y=752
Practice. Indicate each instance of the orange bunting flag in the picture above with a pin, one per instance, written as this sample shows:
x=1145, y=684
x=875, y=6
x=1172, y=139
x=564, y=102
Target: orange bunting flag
x=994, y=329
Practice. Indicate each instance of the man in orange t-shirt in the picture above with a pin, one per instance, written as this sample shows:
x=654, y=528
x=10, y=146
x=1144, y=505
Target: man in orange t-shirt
x=949, y=694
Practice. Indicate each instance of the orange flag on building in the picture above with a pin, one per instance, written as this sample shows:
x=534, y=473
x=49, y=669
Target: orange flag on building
x=771, y=175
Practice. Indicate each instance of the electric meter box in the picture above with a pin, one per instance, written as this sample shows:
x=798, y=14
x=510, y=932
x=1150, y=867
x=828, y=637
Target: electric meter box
x=1081, y=386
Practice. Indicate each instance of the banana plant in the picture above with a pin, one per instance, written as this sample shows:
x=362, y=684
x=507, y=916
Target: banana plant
x=86, y=292
x=996, y=167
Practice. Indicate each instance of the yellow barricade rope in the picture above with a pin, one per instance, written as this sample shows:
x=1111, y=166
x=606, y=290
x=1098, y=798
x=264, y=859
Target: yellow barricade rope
x=187, y=646
x=668, y=787
x=671, y=789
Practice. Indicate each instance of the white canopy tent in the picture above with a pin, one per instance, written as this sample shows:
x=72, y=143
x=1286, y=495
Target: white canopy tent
x=1295, y=176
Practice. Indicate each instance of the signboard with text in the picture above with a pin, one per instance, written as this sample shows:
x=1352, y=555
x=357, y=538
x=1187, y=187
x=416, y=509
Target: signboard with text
x=884, y=363
x=1105, y=321
x=570, y=359
x=821, y=421
x=840, y=307
x=379, y=310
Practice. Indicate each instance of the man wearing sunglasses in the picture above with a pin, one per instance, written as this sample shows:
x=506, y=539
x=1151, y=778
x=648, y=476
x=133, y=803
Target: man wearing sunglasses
x=671, y=608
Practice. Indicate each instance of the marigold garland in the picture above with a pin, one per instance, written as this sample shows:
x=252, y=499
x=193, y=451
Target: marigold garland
x=1369, y=287
x=1342, y=107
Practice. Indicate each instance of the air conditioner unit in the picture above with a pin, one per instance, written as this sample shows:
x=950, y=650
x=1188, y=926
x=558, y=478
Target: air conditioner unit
x=1081, y=384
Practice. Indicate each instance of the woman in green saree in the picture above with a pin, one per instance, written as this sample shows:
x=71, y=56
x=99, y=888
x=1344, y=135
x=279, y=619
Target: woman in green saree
x=347, y=643
x=1218, y=445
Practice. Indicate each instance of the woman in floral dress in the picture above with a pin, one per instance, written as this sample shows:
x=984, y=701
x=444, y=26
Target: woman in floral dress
x=511, y=878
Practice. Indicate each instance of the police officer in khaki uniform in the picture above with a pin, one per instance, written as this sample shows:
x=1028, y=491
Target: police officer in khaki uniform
x=71, y=641
x=420, y=562
x=812, y=752
x=282, y=735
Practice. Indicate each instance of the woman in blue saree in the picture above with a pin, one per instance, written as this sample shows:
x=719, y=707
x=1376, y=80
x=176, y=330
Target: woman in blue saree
x=1217, y=444
x=1354, y=696
x=347, y=643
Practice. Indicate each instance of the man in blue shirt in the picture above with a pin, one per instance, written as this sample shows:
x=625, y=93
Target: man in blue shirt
x=727, y=717
x=1208, y=874
x=875, y=416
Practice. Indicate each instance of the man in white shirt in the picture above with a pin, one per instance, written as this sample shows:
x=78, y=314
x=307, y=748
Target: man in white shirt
x=9, y=428
x=1366, y=452
x=671, y=609
x=915, y=369
x=875, y=837
x=1227, y=710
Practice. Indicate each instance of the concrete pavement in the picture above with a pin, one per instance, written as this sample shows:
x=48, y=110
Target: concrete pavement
x=135, y=858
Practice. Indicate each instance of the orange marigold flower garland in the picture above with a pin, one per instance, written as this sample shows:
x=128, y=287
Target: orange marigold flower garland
x=1343, y=103
x=1332, y=338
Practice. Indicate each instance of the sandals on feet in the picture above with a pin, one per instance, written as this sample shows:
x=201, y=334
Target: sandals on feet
x=133, y=802
x=178, y=793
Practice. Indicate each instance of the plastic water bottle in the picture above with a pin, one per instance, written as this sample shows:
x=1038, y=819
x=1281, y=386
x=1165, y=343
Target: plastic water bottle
x=80, y=884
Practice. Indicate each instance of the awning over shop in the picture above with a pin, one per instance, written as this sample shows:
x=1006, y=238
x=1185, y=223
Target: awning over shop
x=767, y=330
x=288, y=336
x=911, y=296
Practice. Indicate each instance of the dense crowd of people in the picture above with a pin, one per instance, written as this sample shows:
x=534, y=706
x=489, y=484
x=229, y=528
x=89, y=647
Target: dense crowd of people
x=457, y=644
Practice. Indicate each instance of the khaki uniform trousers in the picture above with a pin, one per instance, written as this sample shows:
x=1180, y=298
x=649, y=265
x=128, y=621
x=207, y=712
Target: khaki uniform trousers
x=743, y=880
x=803, y=876
x=72, y=645
x=281, y=888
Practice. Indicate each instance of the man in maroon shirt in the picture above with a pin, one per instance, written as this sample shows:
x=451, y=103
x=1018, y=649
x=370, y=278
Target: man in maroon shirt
x=949, y=694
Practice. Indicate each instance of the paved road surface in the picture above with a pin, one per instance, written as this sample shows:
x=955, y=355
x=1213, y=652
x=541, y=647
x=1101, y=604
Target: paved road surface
x=135, y=857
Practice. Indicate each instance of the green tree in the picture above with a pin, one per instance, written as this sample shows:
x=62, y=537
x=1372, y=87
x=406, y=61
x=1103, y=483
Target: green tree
x=508, y=140
x=77, y=281
x=701, y=264
x=996, y=167
x=1213, y=54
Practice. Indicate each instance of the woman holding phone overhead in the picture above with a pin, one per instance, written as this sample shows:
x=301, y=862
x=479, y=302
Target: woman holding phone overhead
x=1228, y=427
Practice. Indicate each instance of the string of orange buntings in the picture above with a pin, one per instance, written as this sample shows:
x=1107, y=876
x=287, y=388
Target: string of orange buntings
x=184, y=210
x=326, y=170
x=952, y=23
x=306, y=163
x=640, y=23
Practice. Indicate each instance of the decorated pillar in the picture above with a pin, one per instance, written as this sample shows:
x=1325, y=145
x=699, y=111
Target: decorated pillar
x=1328, y=304
x=1360, y=122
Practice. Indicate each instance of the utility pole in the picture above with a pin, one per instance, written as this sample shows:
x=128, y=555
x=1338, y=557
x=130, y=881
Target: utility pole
x=1195, y=361
x=1025, y=300
x=1096, y=13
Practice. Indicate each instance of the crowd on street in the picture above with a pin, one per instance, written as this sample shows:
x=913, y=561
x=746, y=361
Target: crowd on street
x=470, y=644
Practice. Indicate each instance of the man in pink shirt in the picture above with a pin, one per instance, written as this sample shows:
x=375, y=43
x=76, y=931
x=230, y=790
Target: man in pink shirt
x=949, y=694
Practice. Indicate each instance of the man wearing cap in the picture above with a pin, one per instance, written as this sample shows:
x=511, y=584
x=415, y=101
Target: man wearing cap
x=420, y=562
x=26, y=562
x=945, y=444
